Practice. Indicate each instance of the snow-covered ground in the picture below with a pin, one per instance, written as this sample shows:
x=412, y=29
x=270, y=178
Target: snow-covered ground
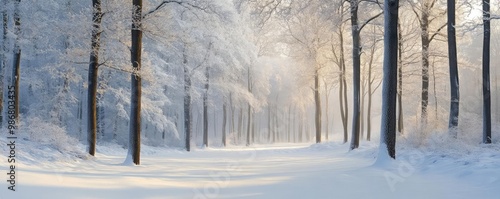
x=326, y=170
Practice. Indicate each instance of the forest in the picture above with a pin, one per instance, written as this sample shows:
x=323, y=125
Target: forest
x=85, y=79
x=209, y=73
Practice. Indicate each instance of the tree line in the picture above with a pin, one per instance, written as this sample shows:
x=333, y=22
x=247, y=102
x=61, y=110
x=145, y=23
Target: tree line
x=263, y=67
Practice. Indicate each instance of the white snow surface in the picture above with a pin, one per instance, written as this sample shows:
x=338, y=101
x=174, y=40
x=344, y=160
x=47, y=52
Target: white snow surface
x=326, y=170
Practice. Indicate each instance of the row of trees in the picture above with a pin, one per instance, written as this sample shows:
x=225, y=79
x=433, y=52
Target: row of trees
x=235, y=72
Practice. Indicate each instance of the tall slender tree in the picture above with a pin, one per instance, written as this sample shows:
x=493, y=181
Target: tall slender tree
x=452, y=58
x=17, y=58
x=389, y=89
x=135, y=100
x=93, y=76
x=224, y=120
x=205, y=107
x=249, y=87
x=486, y=73
x=317, y=101
x=3, y=56
x=423, y=13
x=400, y=79
x=188, y=117
x=356, y=63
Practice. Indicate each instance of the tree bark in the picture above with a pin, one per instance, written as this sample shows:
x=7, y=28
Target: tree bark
x=486, y=74
x=344, y=107
x=135, y=101
x=231, y=105
x=317, y=100
x=301, y=127
x=289, y=132
x=400, y=79
x=249, y=87
x=5, y=20
x=93, y=77
x=276, y=123
x=269, y=123
x=389, y=92
x=326, y=112
x=17, y=59
x=452, y=58
x=205, y=108
x=224, y=119
x=424, y=26
x=356, y=62
x=249, y=124
x=240, y=125
x=188, y=117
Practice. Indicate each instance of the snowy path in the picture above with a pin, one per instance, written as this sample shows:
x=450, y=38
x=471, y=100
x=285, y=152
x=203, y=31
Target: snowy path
x=286, y=171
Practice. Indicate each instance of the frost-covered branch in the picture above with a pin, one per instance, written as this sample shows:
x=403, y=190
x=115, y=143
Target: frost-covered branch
x=179, y=2
x=369, y=20
x=437, y=32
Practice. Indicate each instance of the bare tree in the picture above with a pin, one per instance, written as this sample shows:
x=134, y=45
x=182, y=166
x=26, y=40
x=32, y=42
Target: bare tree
x=389, y=89
x=400, y=79
x=17, y=59
x=425, y=20
x=486, y=73
x=3, y=62
x=135, y=100
x=249, y=117
x=188, y=118
x=205, y=107
x=356, y=62
x=452, y=58
x=93, y=76
x=224, y=120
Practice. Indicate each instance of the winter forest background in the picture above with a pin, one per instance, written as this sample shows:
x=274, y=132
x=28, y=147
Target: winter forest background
x=252, y=71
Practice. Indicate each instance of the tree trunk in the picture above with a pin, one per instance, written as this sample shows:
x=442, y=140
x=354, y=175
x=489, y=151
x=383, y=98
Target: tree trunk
x=231, y=105
x=389, y=92
x=79, y=113
x=135, y=102
x=17, y=59
x=425, y=63
x=486, y=74
x=249, y=124
x=344, y=106
x=290, y=124
x=342, y=76
x=93, y=76
x=3, y=62
x=400, y=79
x=326, y=113
x=205, y=108
x=269, y=124
x=276, y=127
x=224, y=118
x=253, y=128
x=454, y=82
x=100, y=117
x=317, y=100
x=188, y=117
x=249, y=87
x=240, y=125
x=301, y=127
x=370, y=92
x=356, y=62
x=436, y=116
